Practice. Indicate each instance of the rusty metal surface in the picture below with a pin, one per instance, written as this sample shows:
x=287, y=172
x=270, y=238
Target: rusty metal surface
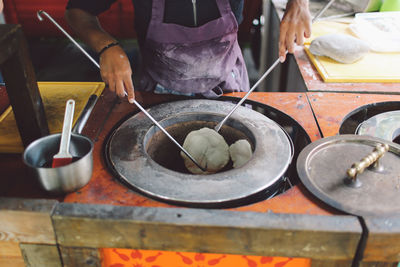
x=105, y=189
x=331, y=109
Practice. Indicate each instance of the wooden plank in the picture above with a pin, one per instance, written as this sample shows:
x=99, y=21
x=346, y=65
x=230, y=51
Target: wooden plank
x=324, y=263
x=36, y=255
x=378, y=264
x=22, y=89
x=24, y=204
x=80, y=257
x=14, y=215
x=8, y=43
x=383, y=243
x=216, y=231
x=10, y=255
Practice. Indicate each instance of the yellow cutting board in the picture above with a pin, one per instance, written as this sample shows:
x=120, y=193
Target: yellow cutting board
x=373, y=67
x=54, y=96
x=320, y=28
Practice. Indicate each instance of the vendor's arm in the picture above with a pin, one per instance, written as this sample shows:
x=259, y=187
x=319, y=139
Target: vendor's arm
x=115, y=68
x=295, y=25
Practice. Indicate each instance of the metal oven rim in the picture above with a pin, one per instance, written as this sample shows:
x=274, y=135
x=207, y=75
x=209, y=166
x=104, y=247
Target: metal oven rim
x=257, y=121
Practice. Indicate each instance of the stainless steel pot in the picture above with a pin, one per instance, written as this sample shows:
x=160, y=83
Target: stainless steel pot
x=39, y=155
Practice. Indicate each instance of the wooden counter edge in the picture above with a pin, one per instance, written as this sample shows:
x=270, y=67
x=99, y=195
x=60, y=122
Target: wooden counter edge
x=27, y=220
x=27, y=235
x=383, y=243
x=214, y=231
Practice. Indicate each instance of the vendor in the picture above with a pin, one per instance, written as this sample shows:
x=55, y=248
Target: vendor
x=187, y=46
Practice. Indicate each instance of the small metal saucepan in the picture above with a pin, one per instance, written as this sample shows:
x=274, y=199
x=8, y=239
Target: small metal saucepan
x=39, y=155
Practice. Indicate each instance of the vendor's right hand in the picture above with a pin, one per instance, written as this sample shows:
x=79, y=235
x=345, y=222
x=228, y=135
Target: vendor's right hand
x=116, y=72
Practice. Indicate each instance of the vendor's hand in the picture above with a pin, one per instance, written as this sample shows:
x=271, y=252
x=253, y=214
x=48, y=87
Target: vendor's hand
x=1, y=6
x=295, y=25
x=116, y=71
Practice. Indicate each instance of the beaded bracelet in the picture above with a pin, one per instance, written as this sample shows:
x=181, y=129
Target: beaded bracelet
x=106, y=47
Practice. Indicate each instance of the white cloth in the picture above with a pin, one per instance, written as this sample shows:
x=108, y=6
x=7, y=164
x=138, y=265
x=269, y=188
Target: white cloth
x=381, y=30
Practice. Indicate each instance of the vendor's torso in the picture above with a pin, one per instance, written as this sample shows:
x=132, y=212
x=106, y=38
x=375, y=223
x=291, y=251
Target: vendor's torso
x=204, y=59
x=180, y=12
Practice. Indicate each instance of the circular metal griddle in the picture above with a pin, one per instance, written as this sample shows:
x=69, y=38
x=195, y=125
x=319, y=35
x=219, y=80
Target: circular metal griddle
x=352, y=120
x=384, y=125
x=128, y=153
x=322, y=167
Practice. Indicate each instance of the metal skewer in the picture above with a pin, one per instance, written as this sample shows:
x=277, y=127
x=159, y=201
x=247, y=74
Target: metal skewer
x=40, y=12
x=219, y=125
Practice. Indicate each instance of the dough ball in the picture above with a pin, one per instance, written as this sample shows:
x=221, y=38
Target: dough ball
x=240, y=153
x=340, y=47
x=208, y=148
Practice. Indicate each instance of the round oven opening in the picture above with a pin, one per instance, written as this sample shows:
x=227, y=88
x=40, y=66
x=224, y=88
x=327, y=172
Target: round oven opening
x=143, y=157
x=167, y=154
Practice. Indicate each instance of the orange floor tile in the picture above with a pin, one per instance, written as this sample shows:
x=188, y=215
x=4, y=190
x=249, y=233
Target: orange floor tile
x=112, y=257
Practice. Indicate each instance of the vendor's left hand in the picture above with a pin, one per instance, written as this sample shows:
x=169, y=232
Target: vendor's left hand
x=295, y=25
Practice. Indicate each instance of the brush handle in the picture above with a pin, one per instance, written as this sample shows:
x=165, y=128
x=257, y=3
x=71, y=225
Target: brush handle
x=66, y=131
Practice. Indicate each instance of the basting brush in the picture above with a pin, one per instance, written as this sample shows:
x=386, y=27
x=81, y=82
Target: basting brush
x=63, y=157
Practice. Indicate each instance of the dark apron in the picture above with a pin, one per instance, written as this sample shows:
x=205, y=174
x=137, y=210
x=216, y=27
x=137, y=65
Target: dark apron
x=204, y=60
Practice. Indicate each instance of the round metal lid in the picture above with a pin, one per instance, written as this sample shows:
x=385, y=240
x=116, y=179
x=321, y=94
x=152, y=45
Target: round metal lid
x=127, y=155
x=322, y=167
x=385, y=125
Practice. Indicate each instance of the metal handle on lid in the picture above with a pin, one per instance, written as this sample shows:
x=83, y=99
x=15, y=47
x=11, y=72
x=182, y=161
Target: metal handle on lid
x=359, y=167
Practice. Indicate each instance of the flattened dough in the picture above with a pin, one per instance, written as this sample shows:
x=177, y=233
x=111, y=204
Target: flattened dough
x=240, y=153
x=340, y=47
x=208, y=148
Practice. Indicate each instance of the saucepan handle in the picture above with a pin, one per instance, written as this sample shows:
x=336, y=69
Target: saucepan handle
x=87, y=110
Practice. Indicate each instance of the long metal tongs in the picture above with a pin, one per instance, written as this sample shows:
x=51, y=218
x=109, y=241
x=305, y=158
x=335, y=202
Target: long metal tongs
x=39, y=15
x=219, y=125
